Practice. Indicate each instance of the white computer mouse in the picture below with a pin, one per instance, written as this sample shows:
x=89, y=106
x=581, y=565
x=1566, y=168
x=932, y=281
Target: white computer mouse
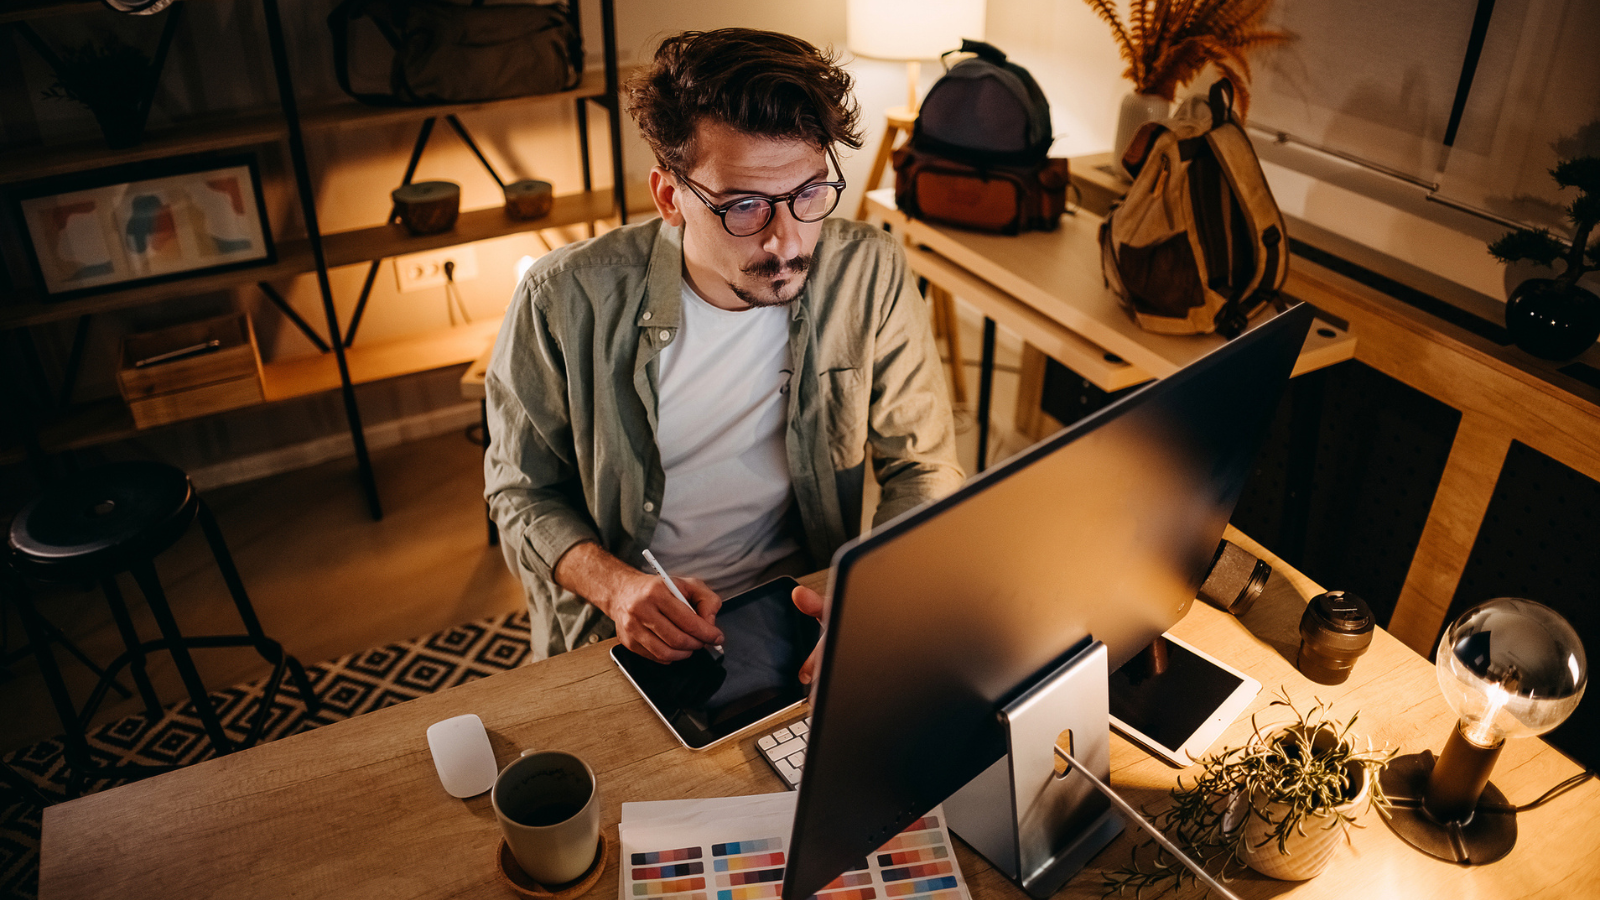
x=462, y=754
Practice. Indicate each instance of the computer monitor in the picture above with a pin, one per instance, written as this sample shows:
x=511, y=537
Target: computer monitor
x=940, y=618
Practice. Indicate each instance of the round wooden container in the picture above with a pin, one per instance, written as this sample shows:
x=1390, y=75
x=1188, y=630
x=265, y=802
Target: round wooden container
x=529, y=199
x=428, y=207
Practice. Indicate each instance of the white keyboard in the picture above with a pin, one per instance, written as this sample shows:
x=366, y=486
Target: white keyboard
x=785, y=750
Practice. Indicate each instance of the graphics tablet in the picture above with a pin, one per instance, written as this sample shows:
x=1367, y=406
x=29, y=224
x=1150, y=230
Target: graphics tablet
x=766, y=640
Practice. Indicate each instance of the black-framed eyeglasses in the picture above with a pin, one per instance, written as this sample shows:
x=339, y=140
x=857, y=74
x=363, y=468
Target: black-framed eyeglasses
x=749, y=215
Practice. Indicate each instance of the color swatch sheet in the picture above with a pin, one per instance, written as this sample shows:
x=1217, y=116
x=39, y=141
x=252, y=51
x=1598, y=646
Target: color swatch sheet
x=735, y=848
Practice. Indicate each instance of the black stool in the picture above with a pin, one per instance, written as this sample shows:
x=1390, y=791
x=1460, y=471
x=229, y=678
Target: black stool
x=117, y=518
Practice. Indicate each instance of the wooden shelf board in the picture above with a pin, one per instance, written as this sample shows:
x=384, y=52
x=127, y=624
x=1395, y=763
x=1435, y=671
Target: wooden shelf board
x=85, y=425
x=220, y=131
x=106, y=420
x=294, y=257
x=357, y=115
x=341, y=249
x=345, y=248
x=23, y=10
x=211, y=132
x=379, y=360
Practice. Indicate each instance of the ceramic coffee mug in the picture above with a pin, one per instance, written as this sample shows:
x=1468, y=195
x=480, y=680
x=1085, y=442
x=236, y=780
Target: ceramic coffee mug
x=549, y=812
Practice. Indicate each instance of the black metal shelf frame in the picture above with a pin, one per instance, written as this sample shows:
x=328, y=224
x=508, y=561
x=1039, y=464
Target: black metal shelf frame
x=337, y=337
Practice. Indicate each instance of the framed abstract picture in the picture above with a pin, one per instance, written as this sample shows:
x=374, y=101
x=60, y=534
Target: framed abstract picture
x=152, y=222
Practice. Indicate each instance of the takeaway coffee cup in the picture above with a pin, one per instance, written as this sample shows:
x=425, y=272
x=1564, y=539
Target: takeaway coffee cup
x=549, y=812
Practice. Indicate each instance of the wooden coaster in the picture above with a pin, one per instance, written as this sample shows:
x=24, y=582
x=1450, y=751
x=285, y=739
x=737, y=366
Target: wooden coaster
x=512, y=875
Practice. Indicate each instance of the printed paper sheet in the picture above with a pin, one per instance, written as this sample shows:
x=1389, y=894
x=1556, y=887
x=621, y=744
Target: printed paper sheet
x=735, y=848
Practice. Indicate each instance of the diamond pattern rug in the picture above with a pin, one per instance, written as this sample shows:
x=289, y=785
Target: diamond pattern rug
x=349, y=686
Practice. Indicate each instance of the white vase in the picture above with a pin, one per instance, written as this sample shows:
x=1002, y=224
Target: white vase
x=1308, y=849
x=1136, y=110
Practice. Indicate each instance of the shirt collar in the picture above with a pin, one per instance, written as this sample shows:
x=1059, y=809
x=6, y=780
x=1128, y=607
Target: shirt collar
x=662, y=307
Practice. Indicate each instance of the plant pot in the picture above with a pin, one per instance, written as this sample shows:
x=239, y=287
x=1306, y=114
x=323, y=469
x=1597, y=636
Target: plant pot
x=1552, y=320
x=1308, y=849
x=1137, y=109
x=121, y=126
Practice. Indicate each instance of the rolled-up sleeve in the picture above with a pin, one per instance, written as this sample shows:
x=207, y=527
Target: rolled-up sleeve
x=910, y=427
x=531, y=479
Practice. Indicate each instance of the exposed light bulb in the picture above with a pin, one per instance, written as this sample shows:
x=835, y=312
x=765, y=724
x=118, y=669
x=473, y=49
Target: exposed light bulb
x=1482, y=730
x=523, y=265
x=1511, y=668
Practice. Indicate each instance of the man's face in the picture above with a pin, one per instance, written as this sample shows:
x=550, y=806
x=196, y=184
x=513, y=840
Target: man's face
x=767, y=268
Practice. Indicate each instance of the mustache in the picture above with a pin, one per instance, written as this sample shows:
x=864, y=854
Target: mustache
x=773, y=267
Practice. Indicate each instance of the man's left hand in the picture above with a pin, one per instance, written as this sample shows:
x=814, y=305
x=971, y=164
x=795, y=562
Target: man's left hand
x=809, y=602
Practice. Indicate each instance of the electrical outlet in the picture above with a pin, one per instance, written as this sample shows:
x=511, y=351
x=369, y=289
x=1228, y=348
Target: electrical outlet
x=419, y=271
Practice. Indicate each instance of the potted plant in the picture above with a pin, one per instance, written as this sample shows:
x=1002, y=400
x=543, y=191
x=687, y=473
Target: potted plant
x=1556, y=318
x=1279, y=804
x=1166, y=44
x=113, y=80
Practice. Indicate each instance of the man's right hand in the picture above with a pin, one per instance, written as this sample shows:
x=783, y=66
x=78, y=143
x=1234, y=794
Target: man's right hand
x=649, y=620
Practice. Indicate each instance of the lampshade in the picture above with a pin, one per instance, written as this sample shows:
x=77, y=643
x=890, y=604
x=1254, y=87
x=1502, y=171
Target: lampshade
x=912, y=29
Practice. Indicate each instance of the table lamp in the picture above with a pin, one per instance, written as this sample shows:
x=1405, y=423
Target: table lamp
x=912, y=30
x=1510, y=668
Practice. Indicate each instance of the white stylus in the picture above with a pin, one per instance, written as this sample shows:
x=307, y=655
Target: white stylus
x=715, y=650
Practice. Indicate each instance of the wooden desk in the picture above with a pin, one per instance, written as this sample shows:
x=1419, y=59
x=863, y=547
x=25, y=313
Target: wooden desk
x=1047, y=288
x=354, y=810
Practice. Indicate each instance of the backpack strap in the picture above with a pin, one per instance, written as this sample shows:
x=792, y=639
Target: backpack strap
x=1138, y=152
x=339, y=24
x=1221, y=102
x=1239, y=165
x=984, y=50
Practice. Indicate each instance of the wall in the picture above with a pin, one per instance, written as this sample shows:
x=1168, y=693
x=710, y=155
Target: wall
x=1061, y=42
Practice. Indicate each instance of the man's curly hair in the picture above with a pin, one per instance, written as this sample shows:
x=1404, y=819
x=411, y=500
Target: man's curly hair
x=758, y=82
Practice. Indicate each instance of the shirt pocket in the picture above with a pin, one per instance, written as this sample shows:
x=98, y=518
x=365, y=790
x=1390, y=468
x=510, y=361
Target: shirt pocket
x=845, y=410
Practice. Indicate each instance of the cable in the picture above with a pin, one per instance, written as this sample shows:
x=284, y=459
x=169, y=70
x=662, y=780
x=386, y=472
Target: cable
x=1557, y=791
x=452, y=295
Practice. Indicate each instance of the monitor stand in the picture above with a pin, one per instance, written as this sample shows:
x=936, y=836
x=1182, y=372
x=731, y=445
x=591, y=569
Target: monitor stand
x=1031, y=816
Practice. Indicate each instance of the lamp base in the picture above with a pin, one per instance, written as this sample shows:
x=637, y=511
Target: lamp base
x=1483, y=837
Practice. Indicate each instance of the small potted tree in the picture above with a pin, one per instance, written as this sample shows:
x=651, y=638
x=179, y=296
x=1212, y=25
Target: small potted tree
x=1557, y=318
x=1279, y=804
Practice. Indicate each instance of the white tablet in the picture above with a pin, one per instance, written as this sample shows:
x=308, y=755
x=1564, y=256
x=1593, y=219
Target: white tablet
x=1178, y=714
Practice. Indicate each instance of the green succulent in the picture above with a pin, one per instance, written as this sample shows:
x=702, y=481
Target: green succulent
x=1304, y=765
x=1540, y=246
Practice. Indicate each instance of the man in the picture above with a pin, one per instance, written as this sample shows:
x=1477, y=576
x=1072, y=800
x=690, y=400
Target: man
x=706, y=385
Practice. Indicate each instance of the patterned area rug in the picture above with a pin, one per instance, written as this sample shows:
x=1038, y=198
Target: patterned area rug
x=349, y=686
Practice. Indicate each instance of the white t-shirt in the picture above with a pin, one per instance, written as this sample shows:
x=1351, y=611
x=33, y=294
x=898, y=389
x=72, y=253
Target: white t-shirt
x=721, y=413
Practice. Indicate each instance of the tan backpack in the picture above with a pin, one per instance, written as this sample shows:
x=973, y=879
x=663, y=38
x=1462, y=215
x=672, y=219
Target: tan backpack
x=1198, y=244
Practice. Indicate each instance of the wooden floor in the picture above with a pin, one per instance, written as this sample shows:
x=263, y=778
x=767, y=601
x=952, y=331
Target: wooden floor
x=326, y=580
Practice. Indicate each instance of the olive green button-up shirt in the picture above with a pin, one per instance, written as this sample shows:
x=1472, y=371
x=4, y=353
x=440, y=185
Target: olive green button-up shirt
x=572, y=390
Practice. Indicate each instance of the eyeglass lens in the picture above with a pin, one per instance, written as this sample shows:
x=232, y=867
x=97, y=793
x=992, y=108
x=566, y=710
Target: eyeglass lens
x=812, y=204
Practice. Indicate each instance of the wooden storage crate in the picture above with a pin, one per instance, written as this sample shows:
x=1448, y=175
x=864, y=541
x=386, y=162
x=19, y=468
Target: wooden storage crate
x=221, y=376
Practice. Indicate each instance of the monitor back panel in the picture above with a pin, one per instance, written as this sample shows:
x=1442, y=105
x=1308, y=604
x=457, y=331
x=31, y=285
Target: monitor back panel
x=944, y=615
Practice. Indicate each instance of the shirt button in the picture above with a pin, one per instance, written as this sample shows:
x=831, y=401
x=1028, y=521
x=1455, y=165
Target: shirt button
x=594, y=638
x=649, y=507
x=646, y=316
x=666, y=335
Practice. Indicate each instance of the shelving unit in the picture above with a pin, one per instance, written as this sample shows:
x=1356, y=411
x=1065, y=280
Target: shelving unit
x=342, y=368
x=223, y=131
x=294, y=257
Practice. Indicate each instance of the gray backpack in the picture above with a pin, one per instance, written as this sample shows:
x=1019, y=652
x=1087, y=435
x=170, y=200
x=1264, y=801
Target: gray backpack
x=1198, y=244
